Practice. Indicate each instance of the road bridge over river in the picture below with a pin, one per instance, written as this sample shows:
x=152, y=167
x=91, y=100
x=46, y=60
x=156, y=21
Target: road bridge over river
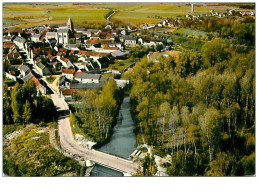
x=70, y=146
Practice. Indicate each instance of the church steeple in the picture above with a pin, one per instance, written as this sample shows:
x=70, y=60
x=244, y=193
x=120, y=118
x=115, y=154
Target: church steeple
x=70, y=24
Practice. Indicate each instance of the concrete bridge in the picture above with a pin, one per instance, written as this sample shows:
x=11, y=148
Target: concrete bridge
x=68, y=144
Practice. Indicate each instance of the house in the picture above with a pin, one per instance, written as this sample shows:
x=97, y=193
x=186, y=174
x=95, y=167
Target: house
x=35, y=37
x=24, y=70
x=88, y=78
x=87, y=33
x=19, y=41
x=50, y=36
x=110, y=36
x=14, y=31
x=66, y=62
x=130, y=41
x=40, y=88
x=86, y=85
x=109, y=49
x=64, y=83
x=118, y=54
x=13, y=55
x=27, y=77
x=84, y=66
x=68, y=73
x=123, y=32
x=9, y=45
x=43, y=70
x=12, y=75
x=68, y=93
x=80, y=30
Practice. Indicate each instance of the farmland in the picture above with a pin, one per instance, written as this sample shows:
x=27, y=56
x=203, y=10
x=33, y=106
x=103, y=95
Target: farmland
x=153, y=13
x=22, y=15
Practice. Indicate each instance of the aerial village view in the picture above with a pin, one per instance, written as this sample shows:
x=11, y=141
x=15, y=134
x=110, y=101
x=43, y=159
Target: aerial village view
x=128, y=89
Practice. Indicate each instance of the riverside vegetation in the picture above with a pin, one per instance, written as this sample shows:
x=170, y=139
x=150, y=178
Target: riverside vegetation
x=96, y=114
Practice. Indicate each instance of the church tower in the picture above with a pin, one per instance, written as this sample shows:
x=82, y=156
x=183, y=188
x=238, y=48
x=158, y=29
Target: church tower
x=192, y=8
x=70, y=24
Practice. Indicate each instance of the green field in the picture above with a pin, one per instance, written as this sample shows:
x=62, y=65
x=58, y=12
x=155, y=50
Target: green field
x=120, y=65
x=189, y=32
x=25, y=15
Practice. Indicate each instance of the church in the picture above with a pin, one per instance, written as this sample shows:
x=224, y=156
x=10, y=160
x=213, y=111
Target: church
x=62, y=34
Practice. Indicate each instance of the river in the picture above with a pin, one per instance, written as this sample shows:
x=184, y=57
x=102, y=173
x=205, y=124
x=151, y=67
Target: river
x=122, y=142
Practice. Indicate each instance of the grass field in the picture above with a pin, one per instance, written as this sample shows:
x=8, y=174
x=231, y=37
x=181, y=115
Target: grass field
x=120, y=65
x=25, y=15
x=189, y=32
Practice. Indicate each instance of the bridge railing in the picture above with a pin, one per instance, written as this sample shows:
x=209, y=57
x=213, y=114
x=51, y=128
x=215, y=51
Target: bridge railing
x=103, y=153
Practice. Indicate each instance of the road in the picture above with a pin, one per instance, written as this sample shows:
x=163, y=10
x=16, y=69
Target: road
x=108, y=18
x=69, y=145
x=58, y=102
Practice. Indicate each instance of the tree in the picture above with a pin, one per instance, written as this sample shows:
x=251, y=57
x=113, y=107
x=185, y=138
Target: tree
x=158, y=47
x=224, y=165
x=215, y=51
x=7, y=109
x=17, y=103
x=210, y=124
x=27, y=112
x=164, y=112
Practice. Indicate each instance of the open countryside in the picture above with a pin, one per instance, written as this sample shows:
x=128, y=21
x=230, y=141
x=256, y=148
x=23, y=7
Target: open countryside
x=128, y=89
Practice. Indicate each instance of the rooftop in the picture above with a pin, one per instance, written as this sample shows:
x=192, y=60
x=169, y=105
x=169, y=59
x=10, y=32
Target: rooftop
x=88, y=76
x=8, y=44
x=68, y=91
x=40, y=65
x=28, y=77
x=67, y=71
x=51, y=34
x=24, y=68
x=62, y=30
x=86, y=85
x=36, y=81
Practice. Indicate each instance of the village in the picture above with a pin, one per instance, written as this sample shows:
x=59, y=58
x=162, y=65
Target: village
x=66, y=60
x=73, y=58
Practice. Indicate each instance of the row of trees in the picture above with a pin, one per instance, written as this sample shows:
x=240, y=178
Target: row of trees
x=22, y=105
x=198, y=108
x=96, y=115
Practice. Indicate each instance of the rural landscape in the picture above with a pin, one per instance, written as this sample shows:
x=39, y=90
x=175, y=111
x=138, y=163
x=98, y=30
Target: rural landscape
x=128, y=89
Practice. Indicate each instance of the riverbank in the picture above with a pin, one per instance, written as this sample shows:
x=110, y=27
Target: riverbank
x=122, y=142
x=96, y=112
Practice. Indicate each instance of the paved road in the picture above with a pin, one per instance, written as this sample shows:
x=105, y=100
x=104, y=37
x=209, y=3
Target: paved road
x=69, y=145
x=60, y=105
x=55, y=84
